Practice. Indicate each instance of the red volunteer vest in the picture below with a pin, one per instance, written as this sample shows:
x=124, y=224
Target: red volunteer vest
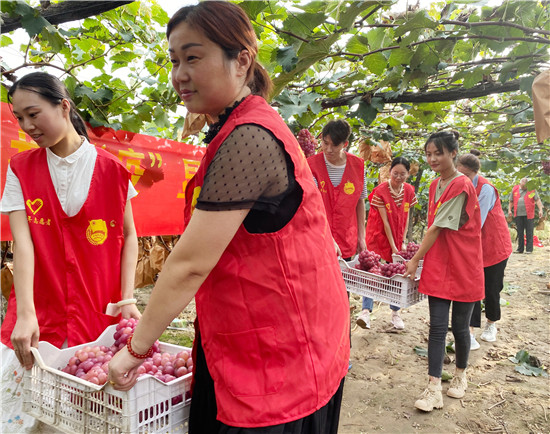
x=376, y=238
x=76, y=259
x=529, y=200
x=453, y=267
x=273, y=313
x=495, y=238
x=341, y=202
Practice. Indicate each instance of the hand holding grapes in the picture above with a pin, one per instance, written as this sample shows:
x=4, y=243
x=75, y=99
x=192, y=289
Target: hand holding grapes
x=123, y=370
x=130, y=311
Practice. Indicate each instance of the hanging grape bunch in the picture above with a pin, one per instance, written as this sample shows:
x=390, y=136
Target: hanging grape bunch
x=546, y=167
x=307, y=142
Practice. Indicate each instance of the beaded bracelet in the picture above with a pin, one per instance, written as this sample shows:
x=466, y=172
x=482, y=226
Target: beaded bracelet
x=149, y=352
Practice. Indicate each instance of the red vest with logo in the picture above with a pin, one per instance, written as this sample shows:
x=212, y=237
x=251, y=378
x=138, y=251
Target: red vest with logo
x=273, y=313
x=495, y=237
x=76, y=259
x=341, y=202
x=453, y=267
x=529, y=200
x=376, y=238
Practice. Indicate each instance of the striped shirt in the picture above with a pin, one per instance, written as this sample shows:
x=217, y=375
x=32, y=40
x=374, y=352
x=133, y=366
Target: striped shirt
x=335, y=174
x=397, y=197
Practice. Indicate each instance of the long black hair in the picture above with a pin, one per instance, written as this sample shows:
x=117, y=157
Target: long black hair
x=53, y=90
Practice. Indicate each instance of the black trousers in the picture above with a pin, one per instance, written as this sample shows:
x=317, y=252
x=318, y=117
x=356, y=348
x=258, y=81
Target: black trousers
x=494, y=282
x=526, y=225
x=439, y=324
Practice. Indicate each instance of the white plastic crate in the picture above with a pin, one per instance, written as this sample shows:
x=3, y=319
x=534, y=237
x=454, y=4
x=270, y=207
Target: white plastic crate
x=74, y=405
x=397, y=290
x=401, y=260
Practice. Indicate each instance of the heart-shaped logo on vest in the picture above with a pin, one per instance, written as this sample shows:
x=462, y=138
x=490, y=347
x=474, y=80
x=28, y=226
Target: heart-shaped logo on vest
x=35, y=205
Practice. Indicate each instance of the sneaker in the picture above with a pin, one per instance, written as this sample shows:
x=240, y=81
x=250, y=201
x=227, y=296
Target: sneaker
x=397, y=321
x=518, y=251
x=474, y=345
x=431, y=398
x=528, y=253
x=458, y=386
x=363, y=320
x=490, y=332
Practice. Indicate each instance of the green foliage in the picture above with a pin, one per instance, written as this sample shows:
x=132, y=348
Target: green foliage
x=328, y=59
x=528, y=365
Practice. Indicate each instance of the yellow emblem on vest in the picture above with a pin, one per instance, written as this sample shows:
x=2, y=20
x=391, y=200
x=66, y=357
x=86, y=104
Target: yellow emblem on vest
x=196, y=193
x=96, y=233
x=406, y=207
x=531, y=195
x=349, y=188
x=35, y=205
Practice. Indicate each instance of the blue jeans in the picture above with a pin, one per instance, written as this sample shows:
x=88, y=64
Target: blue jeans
x=367, y=304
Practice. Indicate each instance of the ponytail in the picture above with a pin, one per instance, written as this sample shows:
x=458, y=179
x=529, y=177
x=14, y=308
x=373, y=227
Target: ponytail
x=260, y=83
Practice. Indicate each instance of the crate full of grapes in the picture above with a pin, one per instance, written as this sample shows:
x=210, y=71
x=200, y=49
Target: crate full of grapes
x=382, y=282
x=68, y=388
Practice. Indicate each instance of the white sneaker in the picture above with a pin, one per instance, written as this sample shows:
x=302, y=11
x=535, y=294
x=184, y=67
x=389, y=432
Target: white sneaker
x=396, y=320
x=363, y=320
x=431, y=398
x=458, y=386
x=490, y=332
x=474, y=345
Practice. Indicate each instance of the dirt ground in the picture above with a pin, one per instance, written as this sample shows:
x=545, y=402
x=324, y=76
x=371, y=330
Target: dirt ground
x=387, y=375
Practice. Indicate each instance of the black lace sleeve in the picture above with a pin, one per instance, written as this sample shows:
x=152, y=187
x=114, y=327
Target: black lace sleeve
x=249, y=171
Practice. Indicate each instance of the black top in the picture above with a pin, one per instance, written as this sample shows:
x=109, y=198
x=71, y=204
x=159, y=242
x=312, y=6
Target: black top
x=251, y=170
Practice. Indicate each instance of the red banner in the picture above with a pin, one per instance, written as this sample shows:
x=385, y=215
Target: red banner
x=160, y=170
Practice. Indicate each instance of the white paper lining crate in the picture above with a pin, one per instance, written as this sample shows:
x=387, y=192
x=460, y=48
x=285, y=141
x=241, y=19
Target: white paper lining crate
x=74, y=405
x=401, y=260
x=397, y=290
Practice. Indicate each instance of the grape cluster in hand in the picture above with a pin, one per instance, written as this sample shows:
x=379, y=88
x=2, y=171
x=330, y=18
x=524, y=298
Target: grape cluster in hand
x=307, y=142
x=91, y=363
x=410, y=251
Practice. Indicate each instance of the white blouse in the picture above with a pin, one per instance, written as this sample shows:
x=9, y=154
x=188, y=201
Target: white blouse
x=71, y=177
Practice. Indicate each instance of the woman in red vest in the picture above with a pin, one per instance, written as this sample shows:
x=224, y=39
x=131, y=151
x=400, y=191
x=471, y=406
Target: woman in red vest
x=453, y=270
x=340, y=177
x=497, y=248
x=386, y=226
x=270, y=353
x=524, y=202
x=73, y=231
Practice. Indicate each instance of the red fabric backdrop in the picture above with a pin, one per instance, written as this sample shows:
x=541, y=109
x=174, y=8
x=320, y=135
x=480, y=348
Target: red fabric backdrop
x=160, y=170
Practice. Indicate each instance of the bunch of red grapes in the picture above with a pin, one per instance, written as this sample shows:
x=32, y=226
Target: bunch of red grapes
x=546, y=167
x=368, y=261
x=390, y=270
x=91, y=363
x=410, y=251
x=307, y=142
